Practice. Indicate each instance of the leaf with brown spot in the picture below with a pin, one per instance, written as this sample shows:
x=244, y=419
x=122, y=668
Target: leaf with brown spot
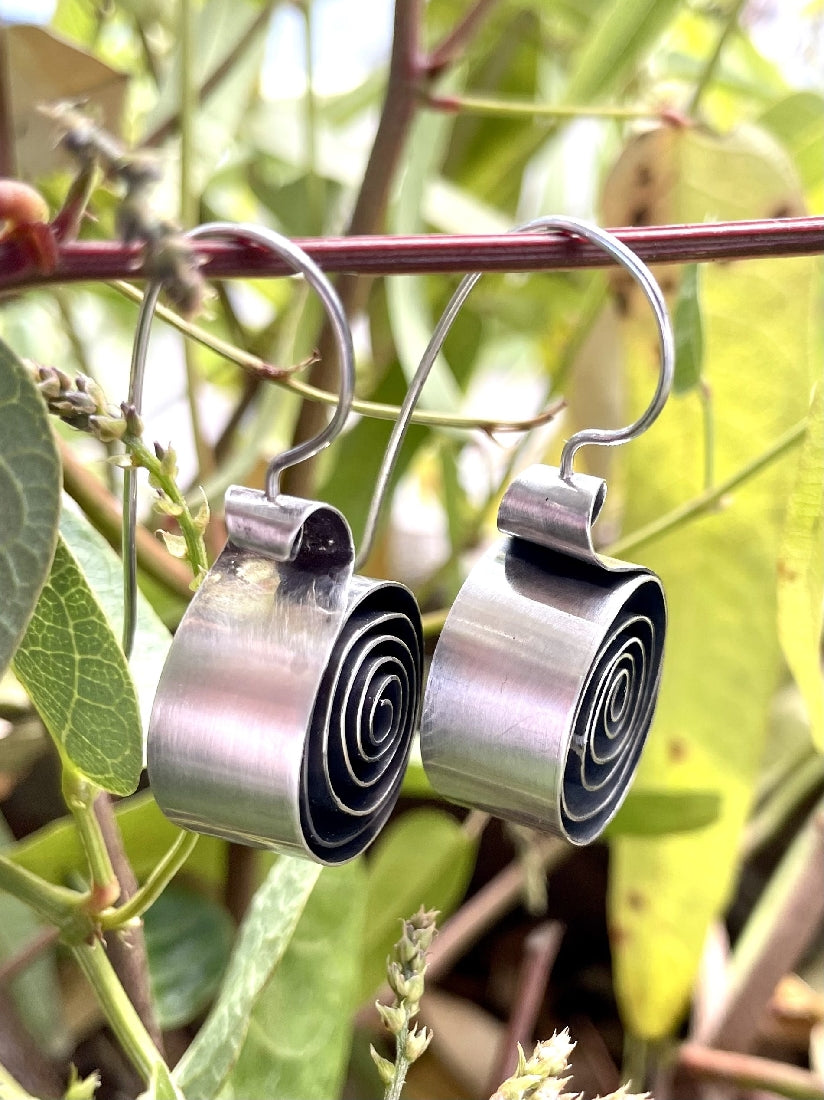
x=762, y=335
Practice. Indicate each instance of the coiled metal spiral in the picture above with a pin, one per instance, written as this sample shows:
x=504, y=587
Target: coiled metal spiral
x=613, y=716
x=361, y=728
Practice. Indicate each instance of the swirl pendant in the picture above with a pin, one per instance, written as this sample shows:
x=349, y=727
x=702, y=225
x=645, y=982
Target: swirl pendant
x=285, y=712
x=544, y=682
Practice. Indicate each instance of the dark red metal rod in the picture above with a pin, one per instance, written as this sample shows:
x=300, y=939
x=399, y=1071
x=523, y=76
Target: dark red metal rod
x=664, y=244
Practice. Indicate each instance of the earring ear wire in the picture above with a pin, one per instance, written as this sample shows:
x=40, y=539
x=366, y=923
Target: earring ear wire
x=598, y=436
x=544, y=681
x=285, y=711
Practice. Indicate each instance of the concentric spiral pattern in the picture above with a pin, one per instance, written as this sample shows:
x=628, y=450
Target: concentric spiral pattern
x=613, y=716
x=361, y=730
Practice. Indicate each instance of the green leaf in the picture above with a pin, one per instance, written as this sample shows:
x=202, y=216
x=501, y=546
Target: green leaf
x=798, y=123
x=74, y=670
x=409, y=314
x=299, y=1036
x=423, y=858
x=801, y=571
x=104, y=571
x=55, y=853
x=657, y=813
x=415, y=781
x=188, y=940
x=227, y=55
x=35, y=991
x=29, y=499
x=688, y=331
x=262, y=941
x=619, y=36
x=723, y=661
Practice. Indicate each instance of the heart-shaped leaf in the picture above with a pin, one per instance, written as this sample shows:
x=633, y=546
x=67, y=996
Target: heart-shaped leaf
x=74, y=670
x=29, y=499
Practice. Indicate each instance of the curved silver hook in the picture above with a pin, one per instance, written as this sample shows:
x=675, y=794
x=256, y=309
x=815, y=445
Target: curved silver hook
x=301, y=263
x=603, y=437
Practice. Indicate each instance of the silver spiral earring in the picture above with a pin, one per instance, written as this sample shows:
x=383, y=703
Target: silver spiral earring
x=544, y=680
x=286, y=707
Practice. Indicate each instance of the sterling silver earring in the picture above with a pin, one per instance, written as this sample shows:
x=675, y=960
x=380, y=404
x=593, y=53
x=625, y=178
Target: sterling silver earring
x=544, y=681
x=285, y=711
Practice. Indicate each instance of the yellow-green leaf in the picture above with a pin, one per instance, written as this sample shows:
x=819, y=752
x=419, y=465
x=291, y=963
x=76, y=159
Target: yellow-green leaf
x=301, y=1029
x=29, y=499
x=621, y=33
x=723, y=661
x=264, y=937
x=74, y=670
x=689, y=333
x=801, y=571
x=437, y=857
x=103, y=570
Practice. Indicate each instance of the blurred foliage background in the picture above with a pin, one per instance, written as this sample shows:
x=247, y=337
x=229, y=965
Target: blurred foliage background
x=700, y=916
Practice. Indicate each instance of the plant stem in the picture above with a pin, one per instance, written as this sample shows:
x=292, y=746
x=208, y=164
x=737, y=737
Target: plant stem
x=705, y=397
x=212, y=82
x=188, y=105
x=314, y=183
x=104, y=511
x=709, y=70
x=193, y=537
x=80, y=796
x=8, y=145
x=119, y=1010
x=161, y=875
x=127, y=950
x=370, y=255
x=395, y=1088
x=396, y=117
x=750, y=1072
x=452, y=45
x=518, y=108
x=188, y=212
x=282, y=376
x=56, y=904
x=708, y=500
x=540, y=950
x=476, y=916
x=779, y=930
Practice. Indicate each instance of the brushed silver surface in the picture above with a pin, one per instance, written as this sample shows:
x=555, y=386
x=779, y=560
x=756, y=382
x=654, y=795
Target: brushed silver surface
x=286, y=708
x=544, y=681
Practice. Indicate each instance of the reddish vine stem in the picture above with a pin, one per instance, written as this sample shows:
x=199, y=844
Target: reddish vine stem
x=429, y=254
x=397, y=113
x=540, y=951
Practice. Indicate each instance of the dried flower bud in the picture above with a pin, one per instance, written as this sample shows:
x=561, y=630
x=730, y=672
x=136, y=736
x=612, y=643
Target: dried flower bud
x=201, y=518
x=134, y=425
x=386, y=1069
x=89, y=386
x=416, y=1043
x=107, y=428
x=167, y=506
x=393, y=1018
x=175, y=544
x=397, y=981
